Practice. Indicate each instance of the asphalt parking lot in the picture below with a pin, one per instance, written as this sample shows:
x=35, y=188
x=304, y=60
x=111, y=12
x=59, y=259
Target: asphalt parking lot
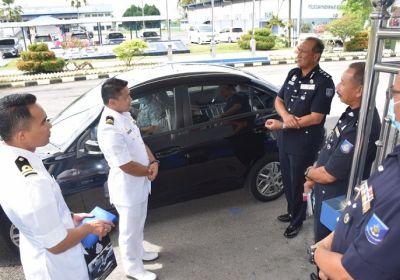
x=225, y=236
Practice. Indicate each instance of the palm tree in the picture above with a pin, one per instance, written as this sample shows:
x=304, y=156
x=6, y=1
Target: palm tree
x=77, y=4
x=10, y=12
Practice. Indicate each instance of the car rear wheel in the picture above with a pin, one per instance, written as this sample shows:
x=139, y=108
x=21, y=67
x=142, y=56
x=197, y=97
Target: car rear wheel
x=10, y=233
x=265, y=179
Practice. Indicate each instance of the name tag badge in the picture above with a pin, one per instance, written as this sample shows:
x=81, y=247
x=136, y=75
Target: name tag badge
x=307, y=86
x=291, y=83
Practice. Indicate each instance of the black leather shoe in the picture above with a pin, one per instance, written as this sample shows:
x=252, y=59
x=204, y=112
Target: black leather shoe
x=285, y=218
x=314, y=276
x=292, y=231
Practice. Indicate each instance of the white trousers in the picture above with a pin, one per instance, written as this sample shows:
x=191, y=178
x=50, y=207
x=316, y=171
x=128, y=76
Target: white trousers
x=131, y=225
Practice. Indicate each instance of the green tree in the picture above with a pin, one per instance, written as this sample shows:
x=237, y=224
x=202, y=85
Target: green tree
x=345, y=27
x=275, y=21
x=361, y=9
x=136, y=11
x=185, y=2
x=10, y=12
x=77, y=3
x=129, y=49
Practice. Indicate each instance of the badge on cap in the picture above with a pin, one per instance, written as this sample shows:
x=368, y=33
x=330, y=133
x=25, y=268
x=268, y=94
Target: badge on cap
x=375, y=230
x=329, y=92
x=109, y=120
x=24, y=166
x=346, y=146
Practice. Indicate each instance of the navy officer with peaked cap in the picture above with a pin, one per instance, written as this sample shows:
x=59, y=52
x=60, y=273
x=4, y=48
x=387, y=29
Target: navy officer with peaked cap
x=365, y=244
x=303, y=102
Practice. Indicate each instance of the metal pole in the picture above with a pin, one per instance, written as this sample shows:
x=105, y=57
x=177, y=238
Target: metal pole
x=375, y=46
x=23, y=35
x=212, y=27
x=299, y=20
x=169, y=53
x=290, y=23
x=143, y=15
x=252, y=40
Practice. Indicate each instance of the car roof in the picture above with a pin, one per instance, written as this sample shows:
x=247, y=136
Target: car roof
x=171, y=71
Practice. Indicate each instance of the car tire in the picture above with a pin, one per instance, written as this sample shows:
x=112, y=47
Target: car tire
x=10, y=234
x=265, y=179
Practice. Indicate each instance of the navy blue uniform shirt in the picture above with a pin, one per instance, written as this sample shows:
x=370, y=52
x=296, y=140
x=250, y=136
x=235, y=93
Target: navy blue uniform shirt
x=302, y=96
x=337, y=153
x=369, y=236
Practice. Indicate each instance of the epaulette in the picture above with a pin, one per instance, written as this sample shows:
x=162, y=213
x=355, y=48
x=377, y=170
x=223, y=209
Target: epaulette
x=325, y=74
x=110, y=120
x=24, y=166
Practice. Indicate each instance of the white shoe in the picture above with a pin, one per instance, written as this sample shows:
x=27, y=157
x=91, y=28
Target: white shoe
x=145, y=275
x=149, y=256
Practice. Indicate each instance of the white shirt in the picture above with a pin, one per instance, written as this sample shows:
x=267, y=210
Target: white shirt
x=32, y=200
x=120, y=141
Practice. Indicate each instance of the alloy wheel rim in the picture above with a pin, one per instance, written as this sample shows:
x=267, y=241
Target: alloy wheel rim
x=269, y=179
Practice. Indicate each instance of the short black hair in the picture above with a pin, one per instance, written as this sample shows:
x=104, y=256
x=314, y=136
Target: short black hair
x=359, y=69
x=14, y=113
x=318, y=45
x=112, y=89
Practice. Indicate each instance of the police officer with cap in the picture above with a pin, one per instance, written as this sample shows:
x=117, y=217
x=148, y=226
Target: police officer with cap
x=49, y=236
x=365, y=243
x=132, y=168
x=303, y=101
x=329, y=176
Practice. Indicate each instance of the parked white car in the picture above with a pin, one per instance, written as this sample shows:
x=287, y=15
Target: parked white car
x=230, y=35
x=201, y=34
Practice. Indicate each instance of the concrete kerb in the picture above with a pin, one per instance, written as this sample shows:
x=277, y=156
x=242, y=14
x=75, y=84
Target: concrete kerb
x=91, y=75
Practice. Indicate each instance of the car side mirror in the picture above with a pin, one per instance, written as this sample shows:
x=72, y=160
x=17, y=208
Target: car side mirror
x=92, y=148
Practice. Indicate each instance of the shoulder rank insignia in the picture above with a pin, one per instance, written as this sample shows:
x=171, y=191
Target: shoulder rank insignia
x=110, y=120
x=24, y=166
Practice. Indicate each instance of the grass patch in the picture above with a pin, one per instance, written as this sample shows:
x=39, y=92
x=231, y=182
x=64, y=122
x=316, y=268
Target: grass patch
x=11, y=65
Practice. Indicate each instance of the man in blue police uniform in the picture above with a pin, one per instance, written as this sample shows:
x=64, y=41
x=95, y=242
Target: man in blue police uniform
x=365, y=244
x=303, y=101
x=329, y=177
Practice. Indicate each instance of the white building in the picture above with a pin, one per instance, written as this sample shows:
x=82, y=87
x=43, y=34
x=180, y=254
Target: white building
x=239, y=13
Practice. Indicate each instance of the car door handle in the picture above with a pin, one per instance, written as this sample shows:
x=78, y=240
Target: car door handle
x=168, y=151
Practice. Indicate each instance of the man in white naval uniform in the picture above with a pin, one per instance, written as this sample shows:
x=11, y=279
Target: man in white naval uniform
x=132, y=168
x=49, y=239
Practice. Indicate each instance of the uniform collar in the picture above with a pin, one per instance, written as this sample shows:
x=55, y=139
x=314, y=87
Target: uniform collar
x=115, y=114
x=352, y=112
x=16, y=152
x=308, y=76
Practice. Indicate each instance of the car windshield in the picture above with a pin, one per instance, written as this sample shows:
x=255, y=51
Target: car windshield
x=115, y=36
x=7, y=42
x=43, y=38
x=76, y=117
x=80, y=36
x=237, y=30
x=205, y=29
x=150, y=34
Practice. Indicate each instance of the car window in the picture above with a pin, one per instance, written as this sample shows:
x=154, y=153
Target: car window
x=7, y=42
x=216, y=101
x=205, y=28
x=237, y=30
x=80, y=35
x=155, y=112
x=115, y=36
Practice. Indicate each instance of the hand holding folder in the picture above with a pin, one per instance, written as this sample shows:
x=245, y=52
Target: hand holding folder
x=98, y=214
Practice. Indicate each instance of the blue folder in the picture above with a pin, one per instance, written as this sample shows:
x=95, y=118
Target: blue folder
x=98, y=214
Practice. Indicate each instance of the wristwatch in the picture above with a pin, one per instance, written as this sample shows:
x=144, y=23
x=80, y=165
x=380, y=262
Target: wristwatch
x=311, y=253
x=154, y=161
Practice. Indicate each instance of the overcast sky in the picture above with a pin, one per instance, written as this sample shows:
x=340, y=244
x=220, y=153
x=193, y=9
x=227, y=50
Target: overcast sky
x=119, y=6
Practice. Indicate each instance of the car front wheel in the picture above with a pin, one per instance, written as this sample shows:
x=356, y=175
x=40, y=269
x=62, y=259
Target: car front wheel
x=265, y=179
x=10, y=233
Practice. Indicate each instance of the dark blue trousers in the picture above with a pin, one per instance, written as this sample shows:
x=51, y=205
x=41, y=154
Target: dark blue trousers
x=293, y=168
